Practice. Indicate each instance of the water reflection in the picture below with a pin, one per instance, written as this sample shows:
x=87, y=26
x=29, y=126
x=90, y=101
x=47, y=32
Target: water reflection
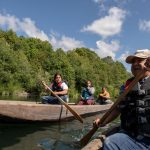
x=45, y=136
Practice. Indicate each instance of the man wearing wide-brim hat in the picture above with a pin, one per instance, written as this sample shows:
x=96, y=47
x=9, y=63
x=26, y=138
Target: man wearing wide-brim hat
x=145, y=53
x=138, y=60
x=134, y=110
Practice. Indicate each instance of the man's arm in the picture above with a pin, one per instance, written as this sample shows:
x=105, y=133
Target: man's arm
x=105, y=95
x=64, y=92
x=91, y=90
x=114, y=114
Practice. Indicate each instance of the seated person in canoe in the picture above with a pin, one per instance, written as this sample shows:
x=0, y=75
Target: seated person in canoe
x=104, y=97
x=87, y=94
x=60, y=88
x=134, y=108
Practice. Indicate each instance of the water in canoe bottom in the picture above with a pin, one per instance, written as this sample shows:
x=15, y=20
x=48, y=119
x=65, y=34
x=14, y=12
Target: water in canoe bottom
x=44, y=136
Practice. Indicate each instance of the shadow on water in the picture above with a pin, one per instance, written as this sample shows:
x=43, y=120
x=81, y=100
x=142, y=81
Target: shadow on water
x=12, y=134
x=45, y=136
x=37, y=136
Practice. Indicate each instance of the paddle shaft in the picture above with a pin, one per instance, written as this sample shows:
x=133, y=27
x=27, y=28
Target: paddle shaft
x=75, y=114
x=88, y=136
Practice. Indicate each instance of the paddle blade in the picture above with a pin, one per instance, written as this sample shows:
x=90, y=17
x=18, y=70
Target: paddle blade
x=75, y=114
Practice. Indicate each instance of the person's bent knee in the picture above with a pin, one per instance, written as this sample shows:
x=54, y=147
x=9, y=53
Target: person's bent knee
x=114, y=141
x=44, y=100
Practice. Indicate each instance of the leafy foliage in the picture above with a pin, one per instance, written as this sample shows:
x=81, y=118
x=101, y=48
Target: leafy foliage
x=26, y=61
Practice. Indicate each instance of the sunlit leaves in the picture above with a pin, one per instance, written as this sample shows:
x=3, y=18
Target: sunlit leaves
x=25, y=62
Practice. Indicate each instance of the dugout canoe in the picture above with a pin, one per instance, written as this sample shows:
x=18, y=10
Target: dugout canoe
x=24, y=111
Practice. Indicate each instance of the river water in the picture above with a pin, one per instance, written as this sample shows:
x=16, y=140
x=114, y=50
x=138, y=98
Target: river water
x=45, y=136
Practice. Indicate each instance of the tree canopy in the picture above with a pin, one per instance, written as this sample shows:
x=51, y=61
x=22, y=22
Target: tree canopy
x=26, y=61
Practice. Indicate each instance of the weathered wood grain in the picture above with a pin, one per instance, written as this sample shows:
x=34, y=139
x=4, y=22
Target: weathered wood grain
x=31, y=111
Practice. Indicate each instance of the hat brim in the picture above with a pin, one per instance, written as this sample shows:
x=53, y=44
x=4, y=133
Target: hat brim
x=130, y=58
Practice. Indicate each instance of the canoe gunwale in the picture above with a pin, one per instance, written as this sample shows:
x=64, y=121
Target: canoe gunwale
x=31, y=111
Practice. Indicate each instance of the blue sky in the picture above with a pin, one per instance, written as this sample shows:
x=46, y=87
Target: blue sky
x=113, y=28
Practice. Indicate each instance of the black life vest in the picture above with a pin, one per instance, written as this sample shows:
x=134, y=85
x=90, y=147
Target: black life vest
x=86, y=94
x=135, y=110
x=57, y=87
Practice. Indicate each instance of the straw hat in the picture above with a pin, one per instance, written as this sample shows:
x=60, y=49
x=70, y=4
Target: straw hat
x=144, y=53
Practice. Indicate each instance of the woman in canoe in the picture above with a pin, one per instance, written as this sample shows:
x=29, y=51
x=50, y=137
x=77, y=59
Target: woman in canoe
x=87, y=94
x=60, y=88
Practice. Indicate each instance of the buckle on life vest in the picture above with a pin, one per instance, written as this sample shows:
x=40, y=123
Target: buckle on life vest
x=142, y=120
x=140, y=137
x=140, y=110
x=140, y=103
x=146, y=135
x=147, y=92
x=142, y=92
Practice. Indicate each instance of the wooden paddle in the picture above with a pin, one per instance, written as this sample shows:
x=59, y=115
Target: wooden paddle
x=88, y=136
x=75, y=114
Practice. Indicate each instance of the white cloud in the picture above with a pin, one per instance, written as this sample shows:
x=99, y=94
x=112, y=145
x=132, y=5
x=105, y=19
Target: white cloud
x=28, y=27
x=144, y=25
x=98, y=1
x=102, y=4
x=106, y=3
x=10, y=21
x=109, y=25
x=123, y=56
x=107, y=49
x=122, y=59
x=66, y=43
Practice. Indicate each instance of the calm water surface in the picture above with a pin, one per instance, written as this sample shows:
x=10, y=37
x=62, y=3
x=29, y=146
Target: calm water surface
x=45, y=136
